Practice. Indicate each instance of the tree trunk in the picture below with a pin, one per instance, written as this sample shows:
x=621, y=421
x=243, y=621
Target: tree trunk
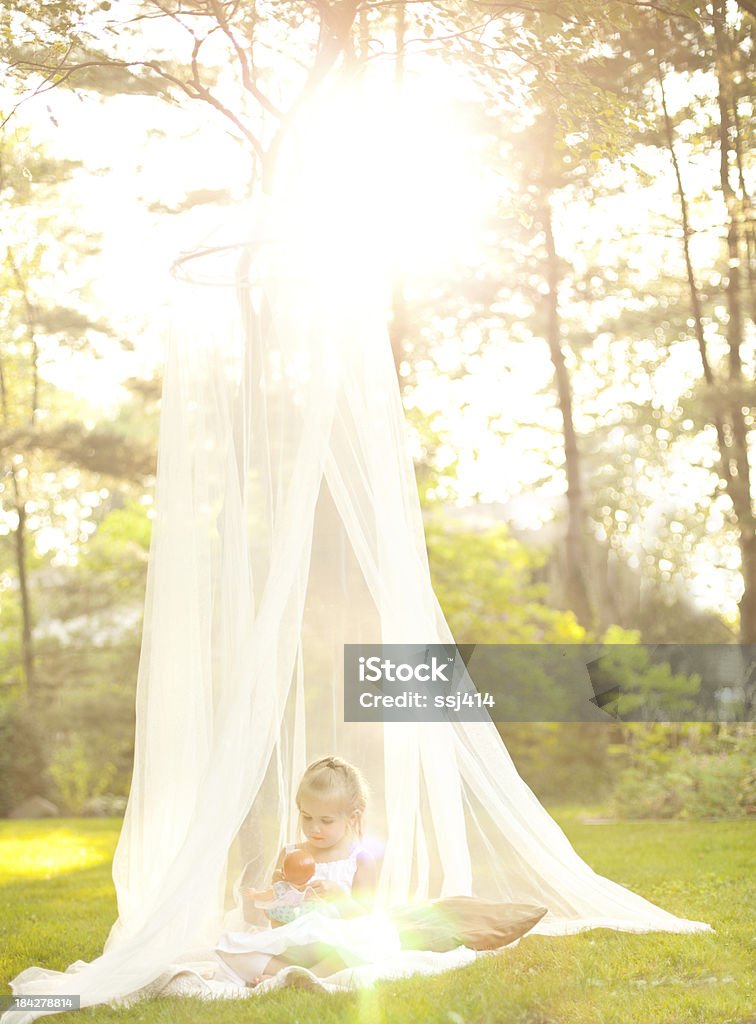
x=748, y=212
x=398, y=324
x=337, y=22
x=20, y=545
x=27, y=643
x=577, y=590
x=728, y=468
x=20, y=539
x=740, y=491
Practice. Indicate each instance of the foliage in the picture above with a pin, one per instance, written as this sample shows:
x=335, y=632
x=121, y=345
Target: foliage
x=484, y=583
x=646, y=690
x=693, y=786
x=693, y=770
x=571, y=113
x=22, y=755
x=74, y=528
x=571, y=110
x=79, y=774
x=561, y=761
x=59, y=458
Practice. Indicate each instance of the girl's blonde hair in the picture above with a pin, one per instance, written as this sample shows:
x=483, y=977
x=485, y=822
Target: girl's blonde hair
x=335, y=780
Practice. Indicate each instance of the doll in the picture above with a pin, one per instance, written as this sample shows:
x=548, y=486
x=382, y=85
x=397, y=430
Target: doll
x=291, y=896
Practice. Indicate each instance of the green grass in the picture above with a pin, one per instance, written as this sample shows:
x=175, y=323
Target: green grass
x=57, y=905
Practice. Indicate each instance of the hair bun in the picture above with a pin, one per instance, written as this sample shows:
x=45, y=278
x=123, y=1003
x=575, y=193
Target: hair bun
x=333, y=777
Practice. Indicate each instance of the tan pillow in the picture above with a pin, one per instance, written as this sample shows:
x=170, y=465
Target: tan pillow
x=444, y=924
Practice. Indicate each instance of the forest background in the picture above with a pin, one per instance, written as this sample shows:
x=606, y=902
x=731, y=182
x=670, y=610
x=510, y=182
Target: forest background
x=572, y=318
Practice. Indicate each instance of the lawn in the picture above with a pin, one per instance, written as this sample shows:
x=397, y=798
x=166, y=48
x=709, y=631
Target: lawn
x=57, y=905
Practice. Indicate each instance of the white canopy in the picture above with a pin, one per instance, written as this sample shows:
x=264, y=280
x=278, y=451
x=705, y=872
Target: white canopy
x=287, y=524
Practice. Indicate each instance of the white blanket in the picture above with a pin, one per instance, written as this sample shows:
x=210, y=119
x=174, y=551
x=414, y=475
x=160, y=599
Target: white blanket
x=368, y=945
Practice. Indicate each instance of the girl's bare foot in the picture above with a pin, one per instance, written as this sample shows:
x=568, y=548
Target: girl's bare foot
x=293, y=977
x=300, y=977
x=259, y=980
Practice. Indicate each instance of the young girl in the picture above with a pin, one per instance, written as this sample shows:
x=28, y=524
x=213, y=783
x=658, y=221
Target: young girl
x=331, y=799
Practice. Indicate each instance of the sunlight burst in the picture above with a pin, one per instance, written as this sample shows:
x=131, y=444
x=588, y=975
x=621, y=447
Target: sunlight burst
x=389, y=174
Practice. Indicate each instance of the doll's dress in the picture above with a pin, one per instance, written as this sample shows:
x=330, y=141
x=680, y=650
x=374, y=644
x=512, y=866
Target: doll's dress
x=287, y=904
x=290, y=903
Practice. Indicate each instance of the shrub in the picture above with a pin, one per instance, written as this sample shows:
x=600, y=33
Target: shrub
x=79, y=774
x=561, y=761
x=747, y=793
x=22, y=756
x=687, y=785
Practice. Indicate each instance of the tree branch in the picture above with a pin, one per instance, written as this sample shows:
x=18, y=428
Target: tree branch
x=335, y=26
x=249, y=83
x=194, y=89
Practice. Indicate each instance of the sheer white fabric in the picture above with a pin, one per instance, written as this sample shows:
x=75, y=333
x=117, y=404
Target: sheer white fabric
x=288, y=523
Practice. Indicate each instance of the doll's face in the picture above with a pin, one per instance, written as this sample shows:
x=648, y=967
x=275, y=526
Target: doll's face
x=323, y=823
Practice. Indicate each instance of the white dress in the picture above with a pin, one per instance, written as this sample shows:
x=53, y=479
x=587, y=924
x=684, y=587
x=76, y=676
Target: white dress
x=340, y=871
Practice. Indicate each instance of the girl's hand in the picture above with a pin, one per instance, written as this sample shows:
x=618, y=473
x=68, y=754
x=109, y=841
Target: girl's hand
x=325, y=888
